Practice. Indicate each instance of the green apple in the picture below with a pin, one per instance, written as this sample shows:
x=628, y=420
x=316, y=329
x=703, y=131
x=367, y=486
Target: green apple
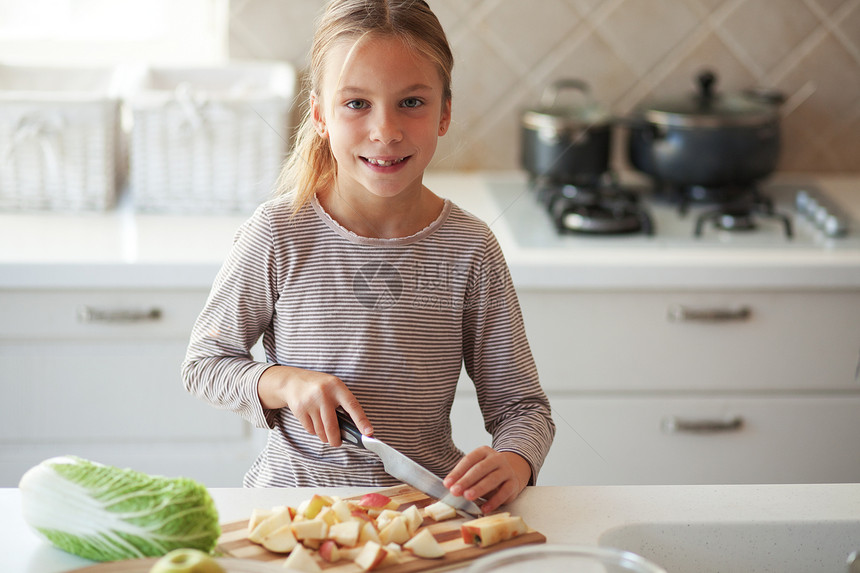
x=186, y=561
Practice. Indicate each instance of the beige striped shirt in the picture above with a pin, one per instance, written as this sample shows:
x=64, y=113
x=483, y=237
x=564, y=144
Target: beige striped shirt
x=395, y=319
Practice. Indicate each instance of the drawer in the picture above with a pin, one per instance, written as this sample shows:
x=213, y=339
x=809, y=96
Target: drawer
x=789, y=439
x=118, y=391
x=671, y=341
x=98, y=314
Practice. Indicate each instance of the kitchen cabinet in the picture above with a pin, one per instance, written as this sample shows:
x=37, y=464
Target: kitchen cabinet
x=96, y=373
x=694, y=387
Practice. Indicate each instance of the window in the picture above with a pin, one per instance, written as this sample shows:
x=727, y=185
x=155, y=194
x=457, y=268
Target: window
x=103, y=32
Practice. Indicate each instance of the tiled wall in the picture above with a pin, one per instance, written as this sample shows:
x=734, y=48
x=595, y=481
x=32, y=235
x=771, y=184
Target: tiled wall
x=629, y=51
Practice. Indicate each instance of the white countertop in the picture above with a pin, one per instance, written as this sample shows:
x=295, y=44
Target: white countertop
x=121, y=248
x=566, y=515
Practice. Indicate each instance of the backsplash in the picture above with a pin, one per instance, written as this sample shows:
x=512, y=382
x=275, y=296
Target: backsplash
x=630, y=52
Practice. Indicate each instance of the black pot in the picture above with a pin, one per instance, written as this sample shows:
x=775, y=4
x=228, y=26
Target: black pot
x=708, y=139
x=566, y=143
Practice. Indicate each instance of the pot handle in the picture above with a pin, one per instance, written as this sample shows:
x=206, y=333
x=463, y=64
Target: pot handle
x=550, y=93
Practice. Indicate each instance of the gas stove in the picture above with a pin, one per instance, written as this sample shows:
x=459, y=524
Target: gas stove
x=771, y=215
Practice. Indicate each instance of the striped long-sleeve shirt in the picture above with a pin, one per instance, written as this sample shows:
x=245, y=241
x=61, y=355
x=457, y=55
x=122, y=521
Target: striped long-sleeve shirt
x=394, y=319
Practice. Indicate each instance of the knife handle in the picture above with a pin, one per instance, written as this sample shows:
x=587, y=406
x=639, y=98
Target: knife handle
x=348, y=429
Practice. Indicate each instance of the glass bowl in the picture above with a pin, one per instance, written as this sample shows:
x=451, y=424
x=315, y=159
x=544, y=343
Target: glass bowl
x=564, y=558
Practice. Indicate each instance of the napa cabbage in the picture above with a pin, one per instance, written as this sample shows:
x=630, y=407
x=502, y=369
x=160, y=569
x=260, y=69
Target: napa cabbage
x=105, y=513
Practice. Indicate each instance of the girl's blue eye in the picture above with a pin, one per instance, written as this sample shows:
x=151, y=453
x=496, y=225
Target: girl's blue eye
x=412, y=102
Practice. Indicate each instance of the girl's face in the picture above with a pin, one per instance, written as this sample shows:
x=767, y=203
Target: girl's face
x=382, y=109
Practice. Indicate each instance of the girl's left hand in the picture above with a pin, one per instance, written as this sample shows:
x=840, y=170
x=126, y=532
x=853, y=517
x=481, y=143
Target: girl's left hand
x=499, y=477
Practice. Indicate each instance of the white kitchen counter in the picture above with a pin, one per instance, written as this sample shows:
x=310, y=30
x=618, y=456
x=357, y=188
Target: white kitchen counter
x=566, y=515
x=121, y=248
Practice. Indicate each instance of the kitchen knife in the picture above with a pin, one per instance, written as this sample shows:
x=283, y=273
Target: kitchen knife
x=403, y=468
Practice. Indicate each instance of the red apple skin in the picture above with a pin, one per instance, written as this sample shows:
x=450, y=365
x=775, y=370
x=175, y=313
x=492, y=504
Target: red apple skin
x=361, y=514
x=329, y=551
x=376, y=501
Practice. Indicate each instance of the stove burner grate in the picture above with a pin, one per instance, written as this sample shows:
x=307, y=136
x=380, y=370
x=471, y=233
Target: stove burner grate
x=602, y=209
x=742, y=215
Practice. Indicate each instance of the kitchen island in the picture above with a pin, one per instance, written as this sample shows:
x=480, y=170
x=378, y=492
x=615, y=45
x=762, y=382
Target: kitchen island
x=779, y=528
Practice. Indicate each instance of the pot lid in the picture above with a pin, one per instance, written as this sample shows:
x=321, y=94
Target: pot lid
x=552, y=114
x=707, y=108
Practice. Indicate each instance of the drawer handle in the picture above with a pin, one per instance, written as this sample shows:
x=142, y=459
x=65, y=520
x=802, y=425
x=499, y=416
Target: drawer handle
x=676, y=425
x=91, y=315
x=681, y=313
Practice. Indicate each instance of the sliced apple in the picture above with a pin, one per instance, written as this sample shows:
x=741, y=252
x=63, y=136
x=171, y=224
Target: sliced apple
x=342, y=510
x=346, y=533
x=310, y=529
x=385, y=517
x=328, y=516
x=377, y=501
x=258, y=515
x=314, y=505
x=396, y=531
x=281, y=540
x=301, y=559
x=414, y=519
x=269, y=524
x=368, y=533
x=371, y=555
x=425, y=545
x=363, y=516
x=329, y=551
x=440, y=511
x=492, y=529
x=393, y=555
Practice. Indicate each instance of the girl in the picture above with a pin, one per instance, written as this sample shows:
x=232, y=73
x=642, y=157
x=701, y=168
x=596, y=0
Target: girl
x=369, y=290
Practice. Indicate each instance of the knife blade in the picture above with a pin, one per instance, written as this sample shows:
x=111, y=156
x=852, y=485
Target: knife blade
x=404, y=468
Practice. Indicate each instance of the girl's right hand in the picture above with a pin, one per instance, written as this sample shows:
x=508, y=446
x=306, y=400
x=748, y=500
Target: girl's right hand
x=312, y=397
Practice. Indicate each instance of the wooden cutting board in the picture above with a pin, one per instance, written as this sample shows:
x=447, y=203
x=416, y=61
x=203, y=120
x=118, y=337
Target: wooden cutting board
x=234, y=541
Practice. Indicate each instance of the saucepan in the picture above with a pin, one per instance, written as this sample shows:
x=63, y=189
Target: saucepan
x=567, y=138
x=707, y=138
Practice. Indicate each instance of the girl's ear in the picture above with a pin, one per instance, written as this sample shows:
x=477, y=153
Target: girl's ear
x=318, y=116
x=445, y=119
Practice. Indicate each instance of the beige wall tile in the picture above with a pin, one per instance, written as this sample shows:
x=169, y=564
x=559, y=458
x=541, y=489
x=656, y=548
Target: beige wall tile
x=629, y=51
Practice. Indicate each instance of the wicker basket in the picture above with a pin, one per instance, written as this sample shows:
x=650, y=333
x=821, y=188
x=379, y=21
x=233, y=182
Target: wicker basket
x=60, y=138
x=208, y=140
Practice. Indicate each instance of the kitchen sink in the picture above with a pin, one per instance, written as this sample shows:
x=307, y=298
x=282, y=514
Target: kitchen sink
x=735, y=547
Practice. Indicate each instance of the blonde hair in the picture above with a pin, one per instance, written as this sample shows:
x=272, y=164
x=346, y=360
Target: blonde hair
x=311, y=167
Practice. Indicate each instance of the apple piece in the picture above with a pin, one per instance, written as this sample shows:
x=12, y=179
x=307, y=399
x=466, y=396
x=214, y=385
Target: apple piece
x=425, y=545
x=363, y=516
x=327, y=515
x=396, y=531
x=346, y=533
x=342, y=510
x=301, y=559
x=329, y=551
x=414, y=519
x=440, y=511
x=368, y=533
x=492, y=529
x=314, y=505
x=310, y=529
x=186, y=561
x=377, y=501
x=258, y=515
x=385, y=517
x=350, y=553
x=371, y=555
x=281, y=540
x=312, y=543
x=277, y=519
x=393, y=556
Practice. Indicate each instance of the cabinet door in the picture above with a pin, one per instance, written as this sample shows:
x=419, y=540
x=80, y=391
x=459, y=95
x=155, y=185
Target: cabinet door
x=679, y=341
x=101, y=366
x=714, y=440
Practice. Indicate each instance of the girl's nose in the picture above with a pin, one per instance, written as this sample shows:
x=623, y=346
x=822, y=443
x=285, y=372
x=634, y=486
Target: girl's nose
x=386, y=129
